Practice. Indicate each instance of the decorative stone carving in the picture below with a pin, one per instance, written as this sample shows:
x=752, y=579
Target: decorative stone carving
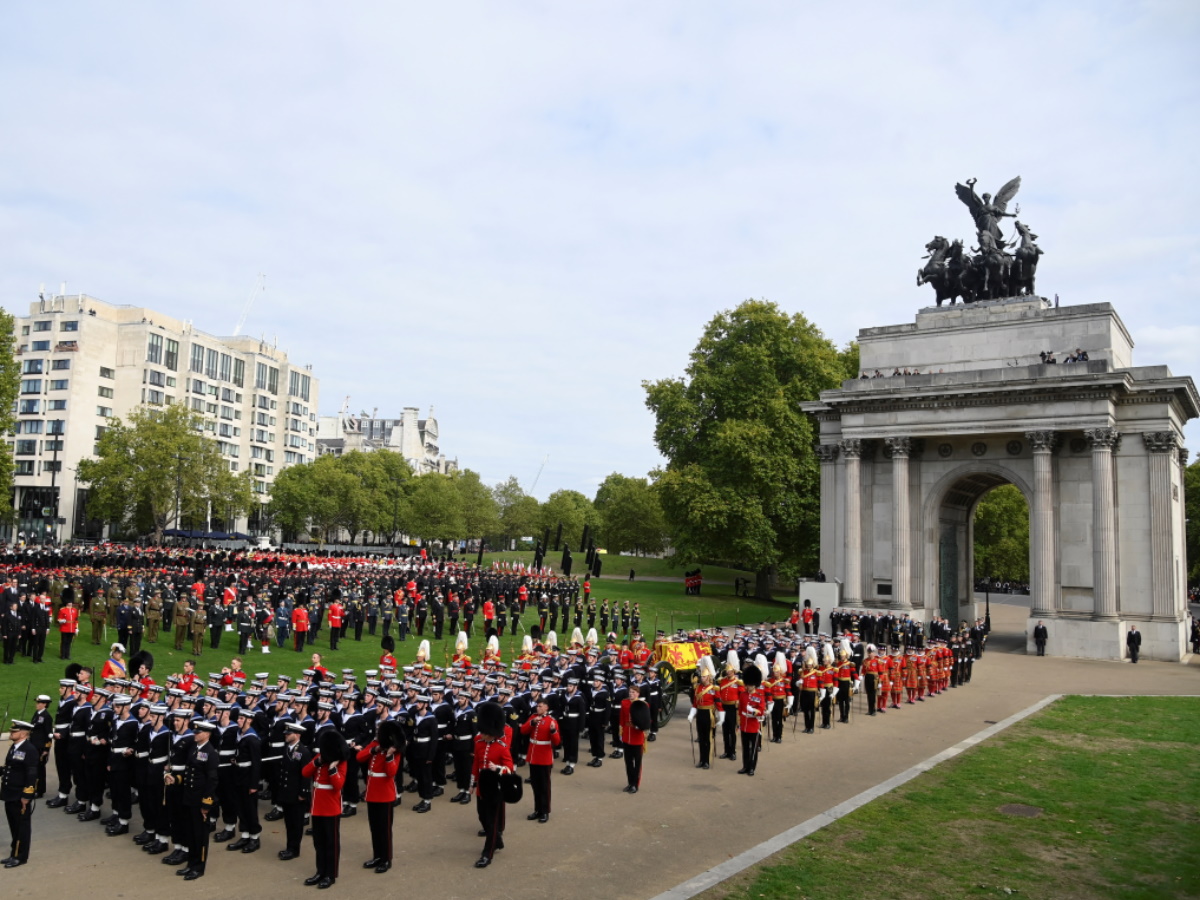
x=1183, y=456
x=945, y=451
x=852, y=448
x=827, y=453
x=1160, y=441
x=1042, y=441
x=979, y=448
x=899, y=446
x=1103, y=438
x=1014, y=448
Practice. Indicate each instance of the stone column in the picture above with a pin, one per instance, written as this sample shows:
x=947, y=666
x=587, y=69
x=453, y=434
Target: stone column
x=1041, y=531
x=901, y=523
x=828, y=454
x=852, y=588
x=1104, y=522
x=1163, y=447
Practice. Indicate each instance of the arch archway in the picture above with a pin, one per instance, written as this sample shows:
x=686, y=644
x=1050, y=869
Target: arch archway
x=950, y=510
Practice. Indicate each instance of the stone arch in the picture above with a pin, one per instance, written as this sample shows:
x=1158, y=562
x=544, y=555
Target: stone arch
x=948, y=537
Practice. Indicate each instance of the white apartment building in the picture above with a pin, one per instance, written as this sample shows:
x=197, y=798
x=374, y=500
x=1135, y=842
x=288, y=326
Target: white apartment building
x=84, y=360
x=413, y=438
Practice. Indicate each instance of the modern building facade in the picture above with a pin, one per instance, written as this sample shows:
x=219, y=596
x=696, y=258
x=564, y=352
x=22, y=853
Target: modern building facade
x=84, y=361
x=413, y=438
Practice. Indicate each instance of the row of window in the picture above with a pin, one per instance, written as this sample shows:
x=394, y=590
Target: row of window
x=34, y=385
x=47, y=325
x=37, y=366
x=27, y=447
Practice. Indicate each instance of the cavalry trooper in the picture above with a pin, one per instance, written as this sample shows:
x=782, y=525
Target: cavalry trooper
x=704, y=709
x=728, y=691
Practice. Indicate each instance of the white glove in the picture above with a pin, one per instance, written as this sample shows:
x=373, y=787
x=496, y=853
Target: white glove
x=833, y=694
x=858, y=686
x=792, y=703
x=692, y=714
x=821, y=695
x=720, y=718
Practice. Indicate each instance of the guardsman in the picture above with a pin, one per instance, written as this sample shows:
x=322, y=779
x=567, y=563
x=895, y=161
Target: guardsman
x=544, y=735
x=492, y=759
x=873, y=680
x=752, y=710
x=337, y=614
x=380, y=760
x=728, y=692
x=705, y=703
x=18, y=790
x=327, y=770
x=635, y=722
x=68, y=627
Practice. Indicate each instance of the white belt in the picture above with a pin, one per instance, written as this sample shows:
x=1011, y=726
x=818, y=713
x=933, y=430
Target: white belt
x=143, y=755
x=159, y=761
x=423, y=740
x=178, y=768
x=280, y=744
x=245, y=765
x=62, y=727
x=228, y=752
x=572, y=715
x=465, y=737
x=78, y=734
x=324, y=787
x=379, y=774
x=542, y=743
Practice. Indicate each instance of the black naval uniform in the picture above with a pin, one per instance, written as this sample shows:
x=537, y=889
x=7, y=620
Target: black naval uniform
x=17, y=790
x=197, y=795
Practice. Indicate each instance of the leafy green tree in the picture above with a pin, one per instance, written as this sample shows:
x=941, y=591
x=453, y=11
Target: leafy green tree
x=848, y=357
x=573, y=510
x=1191, y=497
x=10, y=384
x=741, y=482
x=436, y=508
x=517, y=511
x=156, y=463
x=631, y=516
x=1002, y=535
x=480, y=515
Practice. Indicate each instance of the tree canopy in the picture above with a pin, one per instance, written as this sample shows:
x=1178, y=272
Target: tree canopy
x=1002, y=535
x=741, y=482
x=1191, y=497
x=156, y=463
x=631, y=516
x=10, y=384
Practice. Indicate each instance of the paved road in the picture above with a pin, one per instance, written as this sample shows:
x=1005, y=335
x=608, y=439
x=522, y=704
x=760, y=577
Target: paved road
x=600, y=842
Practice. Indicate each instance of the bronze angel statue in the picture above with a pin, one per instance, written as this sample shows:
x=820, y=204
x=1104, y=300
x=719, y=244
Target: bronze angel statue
x=988, y=211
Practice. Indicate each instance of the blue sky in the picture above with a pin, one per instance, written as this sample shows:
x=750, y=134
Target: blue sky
x=517, y=212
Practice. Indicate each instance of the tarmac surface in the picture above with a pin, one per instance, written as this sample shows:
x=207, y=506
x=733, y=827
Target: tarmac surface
x=601, y=842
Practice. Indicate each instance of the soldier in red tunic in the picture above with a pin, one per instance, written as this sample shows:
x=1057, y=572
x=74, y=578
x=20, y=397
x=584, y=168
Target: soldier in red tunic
x=634, y=723
x=328, y=772
x=381, y=759
x=492, y=759
x=752, y=709
x=543, y=733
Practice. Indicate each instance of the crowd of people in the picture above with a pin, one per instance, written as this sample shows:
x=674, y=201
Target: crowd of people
x=195, y=761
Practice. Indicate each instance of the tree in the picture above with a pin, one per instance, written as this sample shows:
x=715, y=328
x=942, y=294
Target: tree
x=1002, y=535
x=517, y=511
x=1191, y=498
x=631, y=517
x=741, y=482
x=572, y=509
x=10, y=384
x=436, y=509
x=480, y=515
x=848, y=357
x=156, y=463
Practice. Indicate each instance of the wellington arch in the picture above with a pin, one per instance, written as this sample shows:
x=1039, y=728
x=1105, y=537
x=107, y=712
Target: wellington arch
x=1095, y=447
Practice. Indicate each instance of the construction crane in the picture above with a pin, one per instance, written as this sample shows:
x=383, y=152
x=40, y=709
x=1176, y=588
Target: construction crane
x=260, y=285
x=533, y=486
x=345, y=406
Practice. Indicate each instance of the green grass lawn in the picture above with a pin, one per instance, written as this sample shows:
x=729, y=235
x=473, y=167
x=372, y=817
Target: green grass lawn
x=664, y=606
x=1118, y=783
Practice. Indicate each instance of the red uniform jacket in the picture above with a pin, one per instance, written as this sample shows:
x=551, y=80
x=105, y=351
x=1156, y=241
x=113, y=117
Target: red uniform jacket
x=387, y=661
x=381, y=773
x=68, y=620
x=489, y=609
x=625, y=658
x=752, y=705
x=543, y=738
x=300, y=619
x=629, y=734
x=491, y=754
x=327, y=787
x=336, y=611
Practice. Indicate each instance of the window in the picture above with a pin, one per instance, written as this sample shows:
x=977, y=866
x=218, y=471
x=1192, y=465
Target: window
x=261, y=419
x=25, y=330
x=44, y=325
x=31, y=386
x=210, y=363
x=32, y=367
x=260, y=487
x=198, y=386
x=59, y=384
x=107, y=373
x=198, y=404
x=41, y=346
x=70, y=325
x=233, y=467
x=197, y=358
x=154, y=350
x=226, y=412
x=257, y=452
x=212, y=390
x=156, y=378
x=106, y=392
x=57, y=404
x=51, y=446
x=56, y=426
x=270, y=456
x=60, y=364
x=291, y=457
x=260, y=375
x=299, y=384
x=170, y=381
x=52, y=465
x=260, y=470
x=24, y=467
x=226, y=366
x=29, y=407
x=105, y=411
x=264, y=403
x=210, y=408
x=226, y=395
x=29, y=426
x=239, y=372
x=26, y=448
x=171, y=361
x=100, y=429
x=273, y=380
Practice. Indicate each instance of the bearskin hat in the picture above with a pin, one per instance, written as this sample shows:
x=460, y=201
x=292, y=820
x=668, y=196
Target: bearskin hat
x=491, y=719
x=752, y=677
x=331, y=745
x=388, y=643
x=141, y=658
x=390, y=734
